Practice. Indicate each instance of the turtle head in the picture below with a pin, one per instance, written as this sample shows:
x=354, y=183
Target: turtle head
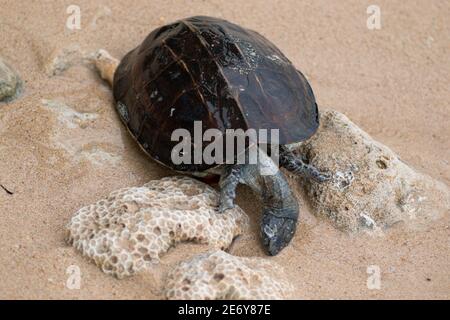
x=278, y=228
x=280, y=207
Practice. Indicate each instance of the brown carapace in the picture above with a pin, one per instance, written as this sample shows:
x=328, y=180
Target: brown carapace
x=210, y=70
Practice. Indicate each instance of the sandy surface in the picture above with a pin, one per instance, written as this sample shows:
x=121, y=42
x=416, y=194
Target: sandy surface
x=392, y=82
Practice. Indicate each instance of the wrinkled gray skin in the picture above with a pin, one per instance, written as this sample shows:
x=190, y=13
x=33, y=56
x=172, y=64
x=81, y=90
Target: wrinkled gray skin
x=280, y=208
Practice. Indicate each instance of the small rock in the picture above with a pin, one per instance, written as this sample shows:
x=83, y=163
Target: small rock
x=367, y=221
x=62, y=59
x=73, y=133
x=129, y=230
x=10, y=83
x=105, y=63
x=67, y=116
x=97, y=156
x=372, y=187
x=221, y=276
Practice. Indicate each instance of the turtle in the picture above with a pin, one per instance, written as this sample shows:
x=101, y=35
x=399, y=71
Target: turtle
x=228, y=77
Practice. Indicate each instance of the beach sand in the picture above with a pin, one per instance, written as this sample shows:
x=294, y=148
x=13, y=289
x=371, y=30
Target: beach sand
x=392, y=82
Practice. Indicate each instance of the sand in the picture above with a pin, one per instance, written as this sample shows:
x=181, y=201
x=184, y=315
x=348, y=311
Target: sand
x=392, y=82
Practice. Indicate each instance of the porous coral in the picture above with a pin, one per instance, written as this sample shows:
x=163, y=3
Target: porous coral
x=130, y=229
x=372, y=187
x=219, y=275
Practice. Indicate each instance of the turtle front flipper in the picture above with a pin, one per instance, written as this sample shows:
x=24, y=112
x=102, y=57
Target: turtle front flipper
x=229, y=181
x=296, y=165
x=280, y=208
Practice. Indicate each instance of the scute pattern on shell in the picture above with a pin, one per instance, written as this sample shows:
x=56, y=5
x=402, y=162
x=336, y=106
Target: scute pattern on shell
x=130, y=229
x=214, y=71
x=218, y=275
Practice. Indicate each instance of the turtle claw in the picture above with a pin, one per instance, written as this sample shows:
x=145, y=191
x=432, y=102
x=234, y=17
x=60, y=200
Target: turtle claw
x=225, y=203
x=322, y=176
x=297, y=166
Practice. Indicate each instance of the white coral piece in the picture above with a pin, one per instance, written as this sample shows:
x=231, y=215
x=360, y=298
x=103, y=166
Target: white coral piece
x=372, y=188
x=129, y=230
x=219, y=275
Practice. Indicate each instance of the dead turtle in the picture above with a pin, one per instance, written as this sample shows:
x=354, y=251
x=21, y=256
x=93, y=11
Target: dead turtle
x=210, y=70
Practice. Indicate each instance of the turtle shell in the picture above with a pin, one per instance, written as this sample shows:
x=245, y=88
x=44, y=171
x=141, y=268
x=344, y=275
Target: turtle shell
x=210, y=70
